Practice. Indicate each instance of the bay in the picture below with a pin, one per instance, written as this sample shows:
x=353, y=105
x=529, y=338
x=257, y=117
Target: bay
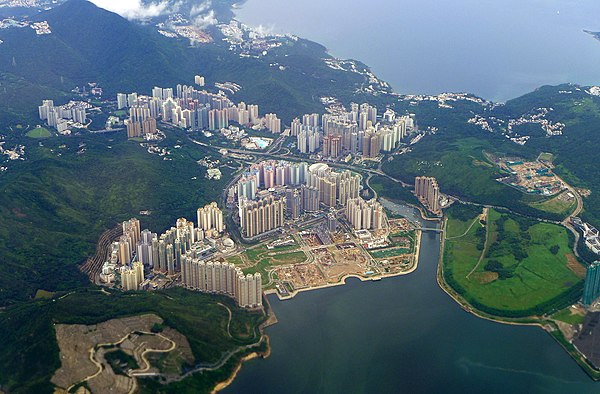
x=495, y=49
x=403, y=334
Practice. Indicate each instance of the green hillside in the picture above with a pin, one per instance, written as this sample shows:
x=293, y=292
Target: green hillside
x=55, y=205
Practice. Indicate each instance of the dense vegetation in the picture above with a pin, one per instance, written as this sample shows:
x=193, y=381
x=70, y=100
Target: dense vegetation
x=575, y=151
x=30, y=356
x=54, y=205
x=463, y=170
x=89, y=44
x=518, y=267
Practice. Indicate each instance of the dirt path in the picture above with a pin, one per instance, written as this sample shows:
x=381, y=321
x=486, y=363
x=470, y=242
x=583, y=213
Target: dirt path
x=131, y=374
x=228, y=321
x=468, y=229
x=487, y=239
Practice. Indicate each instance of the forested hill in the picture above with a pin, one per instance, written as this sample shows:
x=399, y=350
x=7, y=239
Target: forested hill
x=90, y=44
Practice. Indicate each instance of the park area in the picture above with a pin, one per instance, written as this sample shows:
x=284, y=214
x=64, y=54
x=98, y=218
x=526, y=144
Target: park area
x=509, y=265
x=39, y=132
x=261, y=259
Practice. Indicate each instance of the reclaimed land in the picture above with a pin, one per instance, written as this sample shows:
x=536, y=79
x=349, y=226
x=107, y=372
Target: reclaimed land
x=509, y=266
x=547, y=314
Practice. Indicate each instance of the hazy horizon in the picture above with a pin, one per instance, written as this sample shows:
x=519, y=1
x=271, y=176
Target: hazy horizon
x=497, y=51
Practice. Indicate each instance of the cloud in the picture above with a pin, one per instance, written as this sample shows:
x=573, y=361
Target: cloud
x=135, y=9
x=265, y=30
x=202, y=15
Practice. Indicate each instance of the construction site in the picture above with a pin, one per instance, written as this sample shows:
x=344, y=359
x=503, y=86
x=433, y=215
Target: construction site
x=322, y=256
x=531, y=177
x=107, y=357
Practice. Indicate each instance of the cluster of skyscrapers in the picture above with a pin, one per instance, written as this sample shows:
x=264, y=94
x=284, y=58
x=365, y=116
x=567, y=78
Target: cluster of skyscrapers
x=184, y=249
x=262, y=215
x=355, y=132
x=132, y=275
x=270, y=190
x=210, y=218
x=365, y=215
x=428, y=193
x=59, y=116
x=222, y=278
x=187, y=107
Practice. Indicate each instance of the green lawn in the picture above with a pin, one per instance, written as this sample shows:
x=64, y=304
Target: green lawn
x=237, y=260
x=523, y=272
x=390, y=252
x=263, y=259
x=288, y=258
x=566, y=316
x=558, y=205
x=39, y=132
x=261, y=267
x=545, y=156
x=462, y=217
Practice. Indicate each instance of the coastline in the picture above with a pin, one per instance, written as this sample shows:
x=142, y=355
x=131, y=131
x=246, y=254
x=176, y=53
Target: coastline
x=536, y=321
x=342, y=280
x=271, y=320
x=224, y=384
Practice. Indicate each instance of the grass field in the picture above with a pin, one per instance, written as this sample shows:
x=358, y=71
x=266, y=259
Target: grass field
x=559, y=205
x=43, y=294
x=568, y=317
x=289, y=258
x=390, y=252
x=237, y=260
x=262, y=259
x=522, y=269
x=545, y=156
x=39, y=132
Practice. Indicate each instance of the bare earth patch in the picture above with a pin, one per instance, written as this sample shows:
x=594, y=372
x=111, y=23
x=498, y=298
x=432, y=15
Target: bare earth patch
x=575, y=266
x=83, y=349
x=485, y=277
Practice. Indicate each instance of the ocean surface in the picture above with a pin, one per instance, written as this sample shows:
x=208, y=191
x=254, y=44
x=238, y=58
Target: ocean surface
x=495, y=49
x=399, y=335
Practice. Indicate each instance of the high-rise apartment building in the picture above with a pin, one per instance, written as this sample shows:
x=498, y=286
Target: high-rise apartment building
x=210, y=218
x=428, y=192
x=222, y=278
x=132, y=276
x=365, y=215
x=257, y=217
x=591, y=289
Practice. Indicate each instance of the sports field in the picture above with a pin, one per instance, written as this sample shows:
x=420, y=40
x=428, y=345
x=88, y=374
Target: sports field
x=39, y=132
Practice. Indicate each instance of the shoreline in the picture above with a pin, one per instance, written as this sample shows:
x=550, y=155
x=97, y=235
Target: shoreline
x=342, y=280
x=546, y=325
x=250, y=356
x=271, y=320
